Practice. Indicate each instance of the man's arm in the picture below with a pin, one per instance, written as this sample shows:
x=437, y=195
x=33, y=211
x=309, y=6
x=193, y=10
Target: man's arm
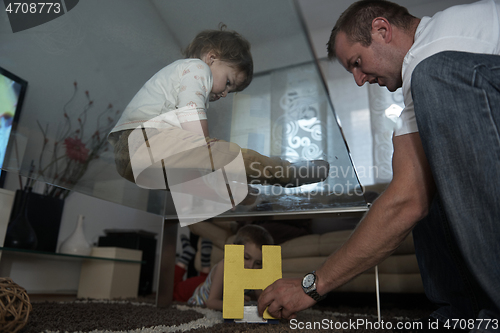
x=391, y=218
x=389, y=221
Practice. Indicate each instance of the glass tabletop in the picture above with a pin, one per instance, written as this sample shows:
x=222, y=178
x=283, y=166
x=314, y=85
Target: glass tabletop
x=80, y=78
x=66, y=255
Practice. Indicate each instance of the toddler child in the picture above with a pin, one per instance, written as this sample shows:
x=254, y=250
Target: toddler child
x=174, y=103
x=206, y=290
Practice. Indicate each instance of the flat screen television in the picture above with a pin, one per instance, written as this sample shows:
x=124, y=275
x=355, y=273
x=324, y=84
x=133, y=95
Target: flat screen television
x=12, y=91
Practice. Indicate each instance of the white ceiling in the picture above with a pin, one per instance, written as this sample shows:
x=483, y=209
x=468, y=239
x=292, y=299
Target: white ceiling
x=320, y=15
x=265, y=20
x=260, y=21
x=272, y=27
x=324, y=13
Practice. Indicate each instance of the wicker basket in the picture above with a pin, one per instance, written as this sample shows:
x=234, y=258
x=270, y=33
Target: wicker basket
x=15, y=306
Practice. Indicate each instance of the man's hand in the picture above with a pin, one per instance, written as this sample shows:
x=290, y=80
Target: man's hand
x=284, y=298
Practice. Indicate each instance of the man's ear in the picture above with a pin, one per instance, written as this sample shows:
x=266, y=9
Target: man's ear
x=381, y=28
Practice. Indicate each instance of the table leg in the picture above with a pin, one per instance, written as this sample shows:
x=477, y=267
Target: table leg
x=167, y=263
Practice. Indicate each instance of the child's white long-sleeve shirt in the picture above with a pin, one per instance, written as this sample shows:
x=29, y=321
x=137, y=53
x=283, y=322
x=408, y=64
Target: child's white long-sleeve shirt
x=178, y=92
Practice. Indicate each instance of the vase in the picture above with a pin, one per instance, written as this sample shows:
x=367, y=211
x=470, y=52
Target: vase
x=76, y=243
x=44, y=215
x=20, y=234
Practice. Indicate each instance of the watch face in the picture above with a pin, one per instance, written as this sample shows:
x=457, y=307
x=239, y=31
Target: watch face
x=308, y=280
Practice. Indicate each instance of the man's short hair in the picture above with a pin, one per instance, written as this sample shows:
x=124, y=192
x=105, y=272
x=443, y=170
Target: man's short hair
x=356, y=21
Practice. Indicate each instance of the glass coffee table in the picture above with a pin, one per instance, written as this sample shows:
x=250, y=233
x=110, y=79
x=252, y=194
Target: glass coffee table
x=286, y=111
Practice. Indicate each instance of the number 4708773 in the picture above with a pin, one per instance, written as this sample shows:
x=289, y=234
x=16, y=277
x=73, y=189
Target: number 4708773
x=33, y=8
x=471, y=323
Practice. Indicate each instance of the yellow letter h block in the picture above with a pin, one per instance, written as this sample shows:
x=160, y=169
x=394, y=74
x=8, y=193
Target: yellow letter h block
x=237, y=278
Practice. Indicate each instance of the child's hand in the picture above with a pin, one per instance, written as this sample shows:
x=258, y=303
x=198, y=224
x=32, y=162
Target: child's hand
x=211, y=140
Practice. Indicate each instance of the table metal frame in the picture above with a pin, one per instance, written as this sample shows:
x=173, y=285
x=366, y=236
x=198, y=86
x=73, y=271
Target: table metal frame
x=168, y=240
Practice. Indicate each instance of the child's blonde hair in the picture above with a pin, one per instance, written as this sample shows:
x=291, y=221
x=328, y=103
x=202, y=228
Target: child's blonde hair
x=252, y=233
x=229, y=46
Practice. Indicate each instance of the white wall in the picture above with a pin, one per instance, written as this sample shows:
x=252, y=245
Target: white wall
x=351, y=103
x=320, y=33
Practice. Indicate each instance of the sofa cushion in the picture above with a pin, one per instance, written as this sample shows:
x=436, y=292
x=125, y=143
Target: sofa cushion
x=304, y=246
x=326, y=244
x=389, y=283
x=400, y=264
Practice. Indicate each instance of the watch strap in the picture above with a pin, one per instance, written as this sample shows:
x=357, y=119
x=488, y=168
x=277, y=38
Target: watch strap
x=315, y=296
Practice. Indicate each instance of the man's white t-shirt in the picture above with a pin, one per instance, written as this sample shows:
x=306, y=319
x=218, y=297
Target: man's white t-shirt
x=178, y=92
x=471, y=28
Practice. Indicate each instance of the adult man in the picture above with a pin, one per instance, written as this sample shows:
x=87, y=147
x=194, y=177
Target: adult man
x=446, y=162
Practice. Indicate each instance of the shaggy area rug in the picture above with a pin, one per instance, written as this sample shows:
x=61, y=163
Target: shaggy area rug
x=96, y=316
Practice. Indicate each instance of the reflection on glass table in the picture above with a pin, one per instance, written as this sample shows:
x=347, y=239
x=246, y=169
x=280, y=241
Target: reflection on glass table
x=287, y=113
x=65, y=255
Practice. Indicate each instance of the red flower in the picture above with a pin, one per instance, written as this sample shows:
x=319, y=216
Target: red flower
x=76, y=150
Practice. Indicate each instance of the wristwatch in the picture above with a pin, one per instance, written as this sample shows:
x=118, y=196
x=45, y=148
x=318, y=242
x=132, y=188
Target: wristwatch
x=309, y=286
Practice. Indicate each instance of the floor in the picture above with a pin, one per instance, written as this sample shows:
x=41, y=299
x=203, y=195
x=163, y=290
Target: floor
x=52, y=297
x=405, y=301
x=72, y=297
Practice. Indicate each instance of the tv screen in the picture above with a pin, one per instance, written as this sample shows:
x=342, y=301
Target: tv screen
x=12, y=90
